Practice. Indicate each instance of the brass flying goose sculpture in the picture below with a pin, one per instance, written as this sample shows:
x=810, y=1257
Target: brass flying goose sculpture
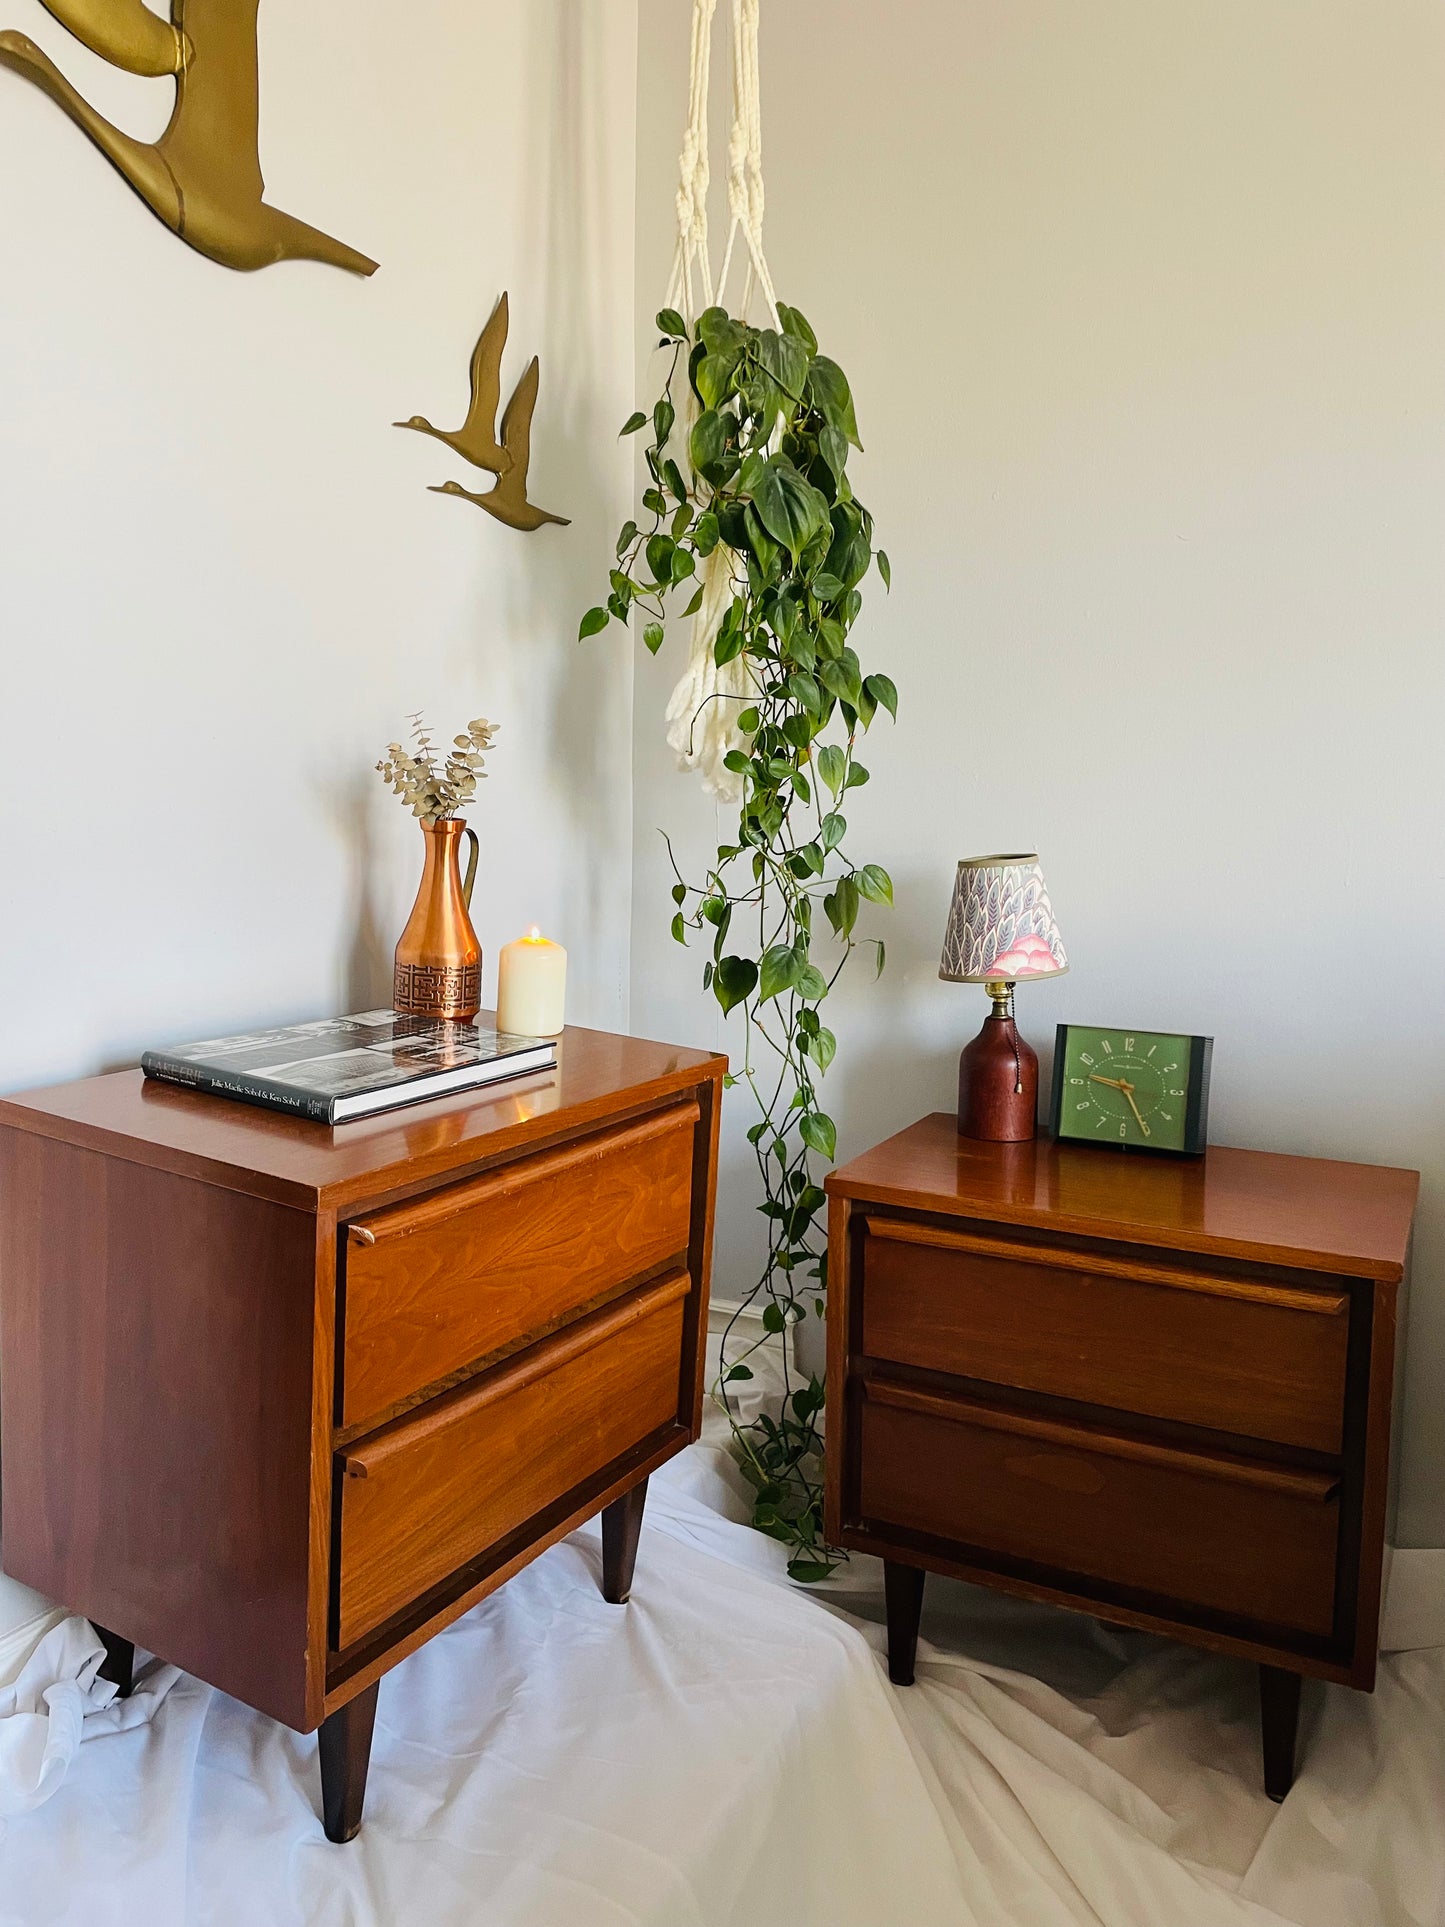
x=203, y=176
x=508, y=500
x=476, y=440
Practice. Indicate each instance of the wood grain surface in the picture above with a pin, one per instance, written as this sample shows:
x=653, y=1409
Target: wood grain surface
x=428, y=1494
x=1254, y=1541
x=1256, y=1205
x=477, y=1268
x=156, y=1338
x=294, y=1161
x=1261, y=1361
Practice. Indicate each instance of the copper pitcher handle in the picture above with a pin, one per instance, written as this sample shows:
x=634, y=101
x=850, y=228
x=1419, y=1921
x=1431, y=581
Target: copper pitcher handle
x=471, y=875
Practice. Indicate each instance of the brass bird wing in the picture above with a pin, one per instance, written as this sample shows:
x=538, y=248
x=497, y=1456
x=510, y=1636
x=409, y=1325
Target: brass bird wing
x=517, y=421
x=203, y=176
x=476, y=440
x=124, y=32
x=511, y=502
x=486, y=376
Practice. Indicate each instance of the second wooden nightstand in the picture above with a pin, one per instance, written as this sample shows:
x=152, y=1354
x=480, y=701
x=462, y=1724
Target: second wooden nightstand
x=1156, y=1391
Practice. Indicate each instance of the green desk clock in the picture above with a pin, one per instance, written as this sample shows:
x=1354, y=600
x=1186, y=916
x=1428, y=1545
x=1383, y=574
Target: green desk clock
x=1135, y=1090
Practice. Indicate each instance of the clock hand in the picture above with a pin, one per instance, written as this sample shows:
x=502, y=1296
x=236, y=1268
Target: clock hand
x=1122, y=1084
x=1128, y=1090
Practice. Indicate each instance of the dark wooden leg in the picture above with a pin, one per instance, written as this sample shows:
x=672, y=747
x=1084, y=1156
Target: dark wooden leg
x=621, y=1529
x=1279, y=1693
x=118, y=1666
x=903, y=1593
x=345, y=1755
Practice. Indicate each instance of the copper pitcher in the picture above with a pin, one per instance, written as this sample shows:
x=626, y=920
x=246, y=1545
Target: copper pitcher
x=438, y=960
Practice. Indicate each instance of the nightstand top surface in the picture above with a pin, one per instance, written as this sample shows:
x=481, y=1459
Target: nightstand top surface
x=1259, y=1205
x=295, y=1161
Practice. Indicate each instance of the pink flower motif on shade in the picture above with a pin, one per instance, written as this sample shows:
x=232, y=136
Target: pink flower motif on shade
x=1028, y=957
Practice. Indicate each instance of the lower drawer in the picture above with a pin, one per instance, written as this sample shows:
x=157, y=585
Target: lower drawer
x=429, y=1494
x=1230, y=1535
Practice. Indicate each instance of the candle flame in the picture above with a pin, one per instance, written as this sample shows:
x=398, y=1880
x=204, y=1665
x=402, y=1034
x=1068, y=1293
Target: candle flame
x=534, y=935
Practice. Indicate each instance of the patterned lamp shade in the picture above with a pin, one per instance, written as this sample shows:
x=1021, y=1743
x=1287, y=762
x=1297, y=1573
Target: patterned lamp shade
x=1001, y=924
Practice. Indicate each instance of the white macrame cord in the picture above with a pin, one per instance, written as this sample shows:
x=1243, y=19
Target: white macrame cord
x=703, y=708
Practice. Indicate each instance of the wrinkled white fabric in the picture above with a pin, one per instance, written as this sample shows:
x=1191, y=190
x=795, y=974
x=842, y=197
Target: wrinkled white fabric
x=55, y=1701
x=727, y=1750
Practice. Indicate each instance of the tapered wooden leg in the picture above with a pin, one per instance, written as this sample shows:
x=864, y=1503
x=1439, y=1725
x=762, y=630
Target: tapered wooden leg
x=903, y=1594
x=345, y=1755
x=118, y=1666
x=1279, y=1693
x=621, y=1529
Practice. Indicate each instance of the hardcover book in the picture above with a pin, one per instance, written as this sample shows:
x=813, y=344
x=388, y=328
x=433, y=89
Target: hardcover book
x=341, y=1068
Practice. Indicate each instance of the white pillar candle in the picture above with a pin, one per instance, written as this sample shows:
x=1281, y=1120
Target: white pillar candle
x=532, y=986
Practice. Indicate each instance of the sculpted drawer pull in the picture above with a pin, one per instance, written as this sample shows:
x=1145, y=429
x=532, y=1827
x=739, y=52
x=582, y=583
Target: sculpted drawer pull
x=1287, y=1297
x=401, y=1434
x=1316, y=1487
x=524, y=1174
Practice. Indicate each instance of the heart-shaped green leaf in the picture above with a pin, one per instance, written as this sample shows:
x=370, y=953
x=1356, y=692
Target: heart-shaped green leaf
x=734, y=981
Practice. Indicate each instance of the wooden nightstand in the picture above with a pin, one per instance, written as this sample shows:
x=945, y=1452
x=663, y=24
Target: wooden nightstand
x=278, y=1402
x=1154, y=1390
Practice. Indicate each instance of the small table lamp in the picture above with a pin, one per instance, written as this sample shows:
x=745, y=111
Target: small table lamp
x=1000, y=928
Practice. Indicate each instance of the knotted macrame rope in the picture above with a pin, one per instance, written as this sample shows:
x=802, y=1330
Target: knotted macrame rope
x=702, y=711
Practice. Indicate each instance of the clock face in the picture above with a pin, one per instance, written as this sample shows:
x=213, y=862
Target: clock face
x=1129, y=1087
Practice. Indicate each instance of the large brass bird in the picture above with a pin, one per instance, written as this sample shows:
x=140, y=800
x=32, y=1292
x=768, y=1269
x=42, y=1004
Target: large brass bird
x=476, y=440
x=203, y=176
x=508, y=500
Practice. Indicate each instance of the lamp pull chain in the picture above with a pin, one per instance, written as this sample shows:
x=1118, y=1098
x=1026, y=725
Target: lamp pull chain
x=1018, y=1066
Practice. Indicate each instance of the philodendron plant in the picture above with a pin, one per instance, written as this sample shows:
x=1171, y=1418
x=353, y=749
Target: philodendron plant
x=769, y=501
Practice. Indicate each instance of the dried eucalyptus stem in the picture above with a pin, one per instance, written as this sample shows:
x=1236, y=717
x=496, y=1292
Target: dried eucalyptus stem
x=433, y=793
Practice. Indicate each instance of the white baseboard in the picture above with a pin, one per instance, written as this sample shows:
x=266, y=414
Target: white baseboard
x=1414, y=1609
x=721, y=1310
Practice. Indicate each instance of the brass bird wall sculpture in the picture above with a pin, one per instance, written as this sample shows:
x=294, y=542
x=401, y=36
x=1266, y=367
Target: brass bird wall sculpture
x=203, y=176
x=477, y=442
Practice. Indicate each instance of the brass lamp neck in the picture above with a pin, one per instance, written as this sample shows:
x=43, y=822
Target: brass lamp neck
x=1003, y=997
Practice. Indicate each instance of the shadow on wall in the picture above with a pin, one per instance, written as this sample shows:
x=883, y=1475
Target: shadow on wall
x=367, y=973
x=891, y=1068
x=565, y=207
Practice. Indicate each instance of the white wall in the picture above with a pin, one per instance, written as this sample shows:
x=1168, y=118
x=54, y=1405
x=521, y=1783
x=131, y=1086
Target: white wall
x=1144, y=309
x=223, y=584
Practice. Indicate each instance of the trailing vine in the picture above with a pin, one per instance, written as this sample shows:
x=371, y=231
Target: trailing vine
x=770, y=502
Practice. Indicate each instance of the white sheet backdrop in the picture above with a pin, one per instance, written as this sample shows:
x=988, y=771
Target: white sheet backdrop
x=727, y=1750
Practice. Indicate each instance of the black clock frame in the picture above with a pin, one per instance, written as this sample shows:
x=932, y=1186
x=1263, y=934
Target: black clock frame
x=1196, y=1100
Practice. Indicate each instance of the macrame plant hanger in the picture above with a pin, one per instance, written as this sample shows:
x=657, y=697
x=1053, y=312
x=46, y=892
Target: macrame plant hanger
x=702, y=711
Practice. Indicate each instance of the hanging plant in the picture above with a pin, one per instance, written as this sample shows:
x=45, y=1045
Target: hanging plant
x=771, y=545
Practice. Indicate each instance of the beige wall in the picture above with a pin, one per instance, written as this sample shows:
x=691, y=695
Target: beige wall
x=223, y=584
x=1144, y=307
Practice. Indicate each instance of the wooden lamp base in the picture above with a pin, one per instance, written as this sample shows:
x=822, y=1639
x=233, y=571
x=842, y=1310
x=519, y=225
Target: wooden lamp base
x=998, y=1079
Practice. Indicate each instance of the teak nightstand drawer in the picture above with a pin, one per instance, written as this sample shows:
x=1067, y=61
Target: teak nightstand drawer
x=437, y=1283
x=1138, y=1335
x=1261, y=1538
x=428, y=1494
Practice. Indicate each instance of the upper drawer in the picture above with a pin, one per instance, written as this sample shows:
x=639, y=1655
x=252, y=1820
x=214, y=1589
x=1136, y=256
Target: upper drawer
x=436, y=1490
x=1255, y=1358
x=439, y=1282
